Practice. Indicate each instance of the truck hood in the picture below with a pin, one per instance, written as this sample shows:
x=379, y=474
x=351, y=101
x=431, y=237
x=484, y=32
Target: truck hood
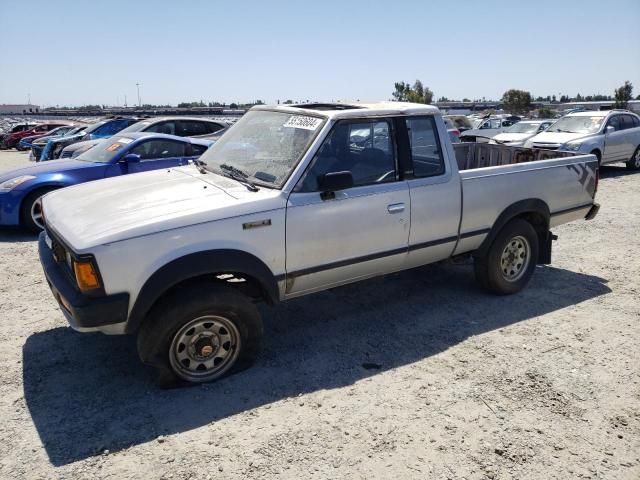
x=56, y=166
x=558, y=137
x=114, y=209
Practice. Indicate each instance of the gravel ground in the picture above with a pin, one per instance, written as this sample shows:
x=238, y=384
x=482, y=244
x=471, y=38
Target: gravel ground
x=417, y=375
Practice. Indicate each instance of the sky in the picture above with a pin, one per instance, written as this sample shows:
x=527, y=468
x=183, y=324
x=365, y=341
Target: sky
x=94, y=52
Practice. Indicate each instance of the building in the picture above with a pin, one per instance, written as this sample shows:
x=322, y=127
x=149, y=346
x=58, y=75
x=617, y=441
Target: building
x=6, y=109
x=634, y=105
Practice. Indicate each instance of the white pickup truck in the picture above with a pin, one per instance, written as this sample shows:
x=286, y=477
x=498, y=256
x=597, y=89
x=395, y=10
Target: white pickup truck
x=290, y=201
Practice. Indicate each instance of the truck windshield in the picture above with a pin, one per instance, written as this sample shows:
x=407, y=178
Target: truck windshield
x=577, y=124
x=523, y=127
x=106, y=150
x=264, y=145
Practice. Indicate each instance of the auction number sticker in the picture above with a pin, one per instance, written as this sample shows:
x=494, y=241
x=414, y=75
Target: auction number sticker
x=113, y=147
x=300, y=121
x=125, y=140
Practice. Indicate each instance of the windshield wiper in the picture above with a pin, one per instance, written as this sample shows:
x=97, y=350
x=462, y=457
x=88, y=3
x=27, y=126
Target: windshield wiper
x=200, y=165
x=239, y=176
x=563, y=131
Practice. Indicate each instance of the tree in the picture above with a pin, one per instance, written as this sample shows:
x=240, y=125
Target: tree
x=516, y=101
x=545, y=112
x=466, y=99
x=623, y=95
x=288, y=102
x=417, y=94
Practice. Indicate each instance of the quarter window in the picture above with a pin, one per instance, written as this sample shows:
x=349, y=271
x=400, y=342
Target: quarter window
x=364, y=148
x=153, y=149
x=191, y=128
x=426, y=153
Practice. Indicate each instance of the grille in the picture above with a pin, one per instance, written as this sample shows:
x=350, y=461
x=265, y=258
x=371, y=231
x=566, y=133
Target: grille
x=65, y=154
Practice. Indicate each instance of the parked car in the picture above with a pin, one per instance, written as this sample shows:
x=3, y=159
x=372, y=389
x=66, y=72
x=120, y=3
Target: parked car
x=21, y=189
x=42, y=129
x=487, y=128
x=14, y=130
x=180, y=126
x=612, y=136
x=454, y=133
x=26, y=143
x=99, y=130
x=288, y=203
x=517, y=134
x=38, y=145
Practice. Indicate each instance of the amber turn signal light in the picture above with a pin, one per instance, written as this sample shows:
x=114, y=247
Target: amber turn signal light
x=86, y=275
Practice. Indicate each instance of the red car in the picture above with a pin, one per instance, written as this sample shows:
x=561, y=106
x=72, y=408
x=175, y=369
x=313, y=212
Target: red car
x=12, y=139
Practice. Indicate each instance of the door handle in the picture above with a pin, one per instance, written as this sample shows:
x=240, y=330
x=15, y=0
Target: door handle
x=395, y=208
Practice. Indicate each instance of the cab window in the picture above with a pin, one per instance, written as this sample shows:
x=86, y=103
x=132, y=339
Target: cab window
x=153, y=149
x=364, y=148
x=426, y=153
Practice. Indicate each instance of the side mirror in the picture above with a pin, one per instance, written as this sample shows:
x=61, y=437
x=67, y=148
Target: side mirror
x=131, y=158
x=609, y=130
x=332, y=182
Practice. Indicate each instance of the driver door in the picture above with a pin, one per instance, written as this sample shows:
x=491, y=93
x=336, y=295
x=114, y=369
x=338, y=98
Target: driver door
x=354, y=233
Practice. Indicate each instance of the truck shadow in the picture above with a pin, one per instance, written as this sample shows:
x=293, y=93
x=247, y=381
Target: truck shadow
x=87, y=393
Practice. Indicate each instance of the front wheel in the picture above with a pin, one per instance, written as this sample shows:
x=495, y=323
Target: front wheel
x=511, y=260
x=634, y=162
x=200, y=334
x=31, y=211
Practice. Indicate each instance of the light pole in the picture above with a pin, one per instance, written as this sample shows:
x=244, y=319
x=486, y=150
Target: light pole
x=139, y=102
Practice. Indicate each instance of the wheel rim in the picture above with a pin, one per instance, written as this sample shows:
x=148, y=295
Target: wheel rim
x=204, y=348
x=36, y=212
x=515, y=259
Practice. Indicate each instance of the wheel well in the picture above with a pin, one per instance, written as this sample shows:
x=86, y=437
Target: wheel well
x=242, y=282
x=597, y=153
x=541, y=225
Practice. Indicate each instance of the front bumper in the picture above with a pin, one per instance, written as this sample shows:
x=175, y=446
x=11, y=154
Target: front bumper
x=83, y=312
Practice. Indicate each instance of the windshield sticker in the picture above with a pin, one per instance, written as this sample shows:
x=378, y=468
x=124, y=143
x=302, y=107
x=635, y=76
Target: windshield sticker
x=113, y=147
x=306, y=123
x=125, y=140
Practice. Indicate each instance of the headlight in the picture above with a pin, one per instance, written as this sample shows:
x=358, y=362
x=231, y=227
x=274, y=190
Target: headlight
x=572, y=147
x=14, y=182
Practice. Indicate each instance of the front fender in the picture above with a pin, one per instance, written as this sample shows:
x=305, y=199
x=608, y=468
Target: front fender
x=196, y=265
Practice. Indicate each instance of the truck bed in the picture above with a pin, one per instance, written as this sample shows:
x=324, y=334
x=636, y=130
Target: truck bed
x=493, y=177
x=471, y=155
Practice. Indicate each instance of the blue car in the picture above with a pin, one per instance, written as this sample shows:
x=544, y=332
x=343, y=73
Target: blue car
x=101, y=129
x=21, y=189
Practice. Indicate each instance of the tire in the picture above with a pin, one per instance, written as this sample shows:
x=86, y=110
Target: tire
x=598, y=156
x=227, y=326
x=511, y=259
x=29, y=219
x=634, y=162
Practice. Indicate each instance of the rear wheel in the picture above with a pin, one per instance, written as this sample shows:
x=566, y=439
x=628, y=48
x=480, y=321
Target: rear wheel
x=634, y=162
x=31, y=211
x=511, y=260
x=200, y=334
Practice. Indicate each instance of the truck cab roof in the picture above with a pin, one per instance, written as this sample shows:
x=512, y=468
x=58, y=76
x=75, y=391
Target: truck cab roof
x=339, y=111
